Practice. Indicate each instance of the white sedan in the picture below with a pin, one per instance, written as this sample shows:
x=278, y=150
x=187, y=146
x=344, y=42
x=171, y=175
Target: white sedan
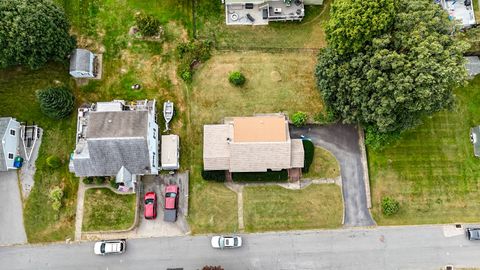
x=105, y=247
x=222, y=242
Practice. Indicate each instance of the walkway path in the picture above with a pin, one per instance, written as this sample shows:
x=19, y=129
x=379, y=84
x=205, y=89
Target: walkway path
x=79, y=214
x=12, y=230
x=343, y=142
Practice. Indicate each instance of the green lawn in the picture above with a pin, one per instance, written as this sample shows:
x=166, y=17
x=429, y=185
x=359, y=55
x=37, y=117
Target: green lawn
x=431, y=171
x=324, y=165
x=275, y=208
x=104, y=210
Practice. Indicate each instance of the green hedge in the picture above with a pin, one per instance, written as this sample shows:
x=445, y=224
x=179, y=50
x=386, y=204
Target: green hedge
x=247, y=177
x=309, y=149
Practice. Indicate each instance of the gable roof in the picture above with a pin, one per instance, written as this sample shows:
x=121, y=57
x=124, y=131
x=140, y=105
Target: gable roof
x=120, y=124
x=4, y=121
x=80, y=60
x=107, y=156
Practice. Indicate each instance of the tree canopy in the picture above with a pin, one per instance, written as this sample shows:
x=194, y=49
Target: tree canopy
x=403, y=74
x=33, y=32
x=353, y=23
x=56, y=102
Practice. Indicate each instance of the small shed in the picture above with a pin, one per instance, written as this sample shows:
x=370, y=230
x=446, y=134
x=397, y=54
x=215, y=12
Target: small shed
x=82, y=64
x=170, y=152
x=475, y=138
x=472, y=65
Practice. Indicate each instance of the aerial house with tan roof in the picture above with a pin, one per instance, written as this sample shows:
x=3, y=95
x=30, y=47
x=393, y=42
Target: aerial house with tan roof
x=252, y=144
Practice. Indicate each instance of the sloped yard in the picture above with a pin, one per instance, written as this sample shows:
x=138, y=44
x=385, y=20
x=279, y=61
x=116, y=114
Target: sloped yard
x=431, y=171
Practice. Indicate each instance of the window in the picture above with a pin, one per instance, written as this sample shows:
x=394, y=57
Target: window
x=10, y=156
x=154, y=165
x=12, y=132
x=154, y=133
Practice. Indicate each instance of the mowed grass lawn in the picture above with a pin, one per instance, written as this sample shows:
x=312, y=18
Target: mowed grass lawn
x=432, y=171
x=106, y=210
x=278, y=82
x=324, y=165
x=270, y=208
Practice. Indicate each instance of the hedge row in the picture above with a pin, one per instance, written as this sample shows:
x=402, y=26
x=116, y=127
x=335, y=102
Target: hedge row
x=309, y=149
x=247, y=176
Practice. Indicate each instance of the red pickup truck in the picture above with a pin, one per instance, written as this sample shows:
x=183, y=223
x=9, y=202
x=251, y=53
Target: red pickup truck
x=171, y=203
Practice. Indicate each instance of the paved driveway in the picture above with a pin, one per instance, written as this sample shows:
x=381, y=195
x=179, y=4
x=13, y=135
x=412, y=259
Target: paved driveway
x=11, y=213
x=343, y=142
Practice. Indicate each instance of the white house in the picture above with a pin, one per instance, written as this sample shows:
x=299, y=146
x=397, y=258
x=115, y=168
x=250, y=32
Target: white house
x=83, y=64
x=170, y=152
x=117, y=139
x=9, y=146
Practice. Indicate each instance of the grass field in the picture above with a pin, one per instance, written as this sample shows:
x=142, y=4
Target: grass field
x=277, y=208
x=431, y=171
x=324, y=165
x=105, y=210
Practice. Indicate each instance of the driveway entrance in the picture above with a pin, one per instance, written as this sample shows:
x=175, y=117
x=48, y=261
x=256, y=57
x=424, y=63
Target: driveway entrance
x=11, y=211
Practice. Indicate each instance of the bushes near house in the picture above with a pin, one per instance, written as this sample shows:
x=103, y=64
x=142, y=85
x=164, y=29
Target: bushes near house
x=213, y=175
x=54, y=162
x=56, y=102
x=88, y=180
x=99, y=180
x=309, y=150
x=113, y=183
x=247, y=176
x=147, y=24
x=299, y=119
x=56, y=195
x=190, y=54
x=390, y=206
x=236, y=78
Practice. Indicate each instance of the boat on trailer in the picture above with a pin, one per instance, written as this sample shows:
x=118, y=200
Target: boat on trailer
x=168, y=111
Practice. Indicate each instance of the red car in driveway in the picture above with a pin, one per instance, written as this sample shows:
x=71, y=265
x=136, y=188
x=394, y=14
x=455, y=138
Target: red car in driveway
x=171, y=203
x=150, y=205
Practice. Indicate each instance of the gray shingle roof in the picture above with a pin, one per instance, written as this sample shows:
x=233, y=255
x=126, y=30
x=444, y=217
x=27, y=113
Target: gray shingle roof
x=472, y=65
x=80, y=60
x=107, y=156
x=4, y=121
x=117, y=124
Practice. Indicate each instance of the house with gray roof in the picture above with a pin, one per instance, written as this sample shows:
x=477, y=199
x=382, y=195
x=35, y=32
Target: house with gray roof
x=116, y=139
x=10, y=139
x=83, y=64
x=252, y=144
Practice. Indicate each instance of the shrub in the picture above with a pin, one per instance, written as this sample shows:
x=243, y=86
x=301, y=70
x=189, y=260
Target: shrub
x=269, y=176
x=191, y=53
x=88, y=180
x=147, y=24
x=99, y=180
x=214, y=175
x=390, y=206
x=309, y=150
x=56, y=102
x=325, y=117
x=377, y=140
x=54, y=162
x=299, y=119
x=56, y=195
x=113, y=183
x=236, y=78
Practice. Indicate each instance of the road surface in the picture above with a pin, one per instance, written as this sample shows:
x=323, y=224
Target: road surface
x=415, y=247
x=343, y=142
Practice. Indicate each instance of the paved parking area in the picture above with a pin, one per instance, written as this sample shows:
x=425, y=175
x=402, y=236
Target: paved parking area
x=11, y=211
x=158, y=227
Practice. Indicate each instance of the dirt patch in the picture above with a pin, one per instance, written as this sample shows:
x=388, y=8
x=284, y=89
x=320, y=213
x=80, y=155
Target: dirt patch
x=275, y=76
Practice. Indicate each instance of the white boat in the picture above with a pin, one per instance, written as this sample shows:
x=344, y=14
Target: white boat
x=167, y=113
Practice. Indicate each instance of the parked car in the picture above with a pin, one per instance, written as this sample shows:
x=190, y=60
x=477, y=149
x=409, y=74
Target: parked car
x=171, y=203
x=226, y=241
x=106, y=247
x=473, y=233
x=150, y=200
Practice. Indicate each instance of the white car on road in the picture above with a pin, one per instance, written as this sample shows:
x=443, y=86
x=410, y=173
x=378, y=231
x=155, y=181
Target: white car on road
x=222, y=242
x=105, y=247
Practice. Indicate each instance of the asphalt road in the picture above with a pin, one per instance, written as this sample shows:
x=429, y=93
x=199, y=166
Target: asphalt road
x=11, y=215
x=343, y=142
x=419, y=247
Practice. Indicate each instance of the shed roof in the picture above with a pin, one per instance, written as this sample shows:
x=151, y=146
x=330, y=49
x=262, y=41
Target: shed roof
x=120, y=124
x=170, y=144
x=475, y=137
x=80, y=60
x=472, y=65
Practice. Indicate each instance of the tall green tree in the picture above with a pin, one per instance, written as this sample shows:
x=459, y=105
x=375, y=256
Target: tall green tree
x=56, y=102
x=405, y=73
x=33, y=32
x=354, y=23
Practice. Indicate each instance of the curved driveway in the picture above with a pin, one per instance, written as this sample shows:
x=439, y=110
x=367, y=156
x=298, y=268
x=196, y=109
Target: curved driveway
x=343, y=142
